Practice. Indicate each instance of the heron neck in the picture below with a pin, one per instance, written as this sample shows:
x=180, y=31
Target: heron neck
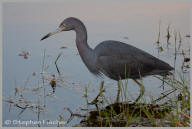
x=87, y=54
x=81, y=39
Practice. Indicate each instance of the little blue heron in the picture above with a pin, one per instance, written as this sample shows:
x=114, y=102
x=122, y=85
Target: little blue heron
x=114, y=59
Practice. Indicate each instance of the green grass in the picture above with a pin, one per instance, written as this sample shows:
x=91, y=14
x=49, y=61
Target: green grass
x=173, y=112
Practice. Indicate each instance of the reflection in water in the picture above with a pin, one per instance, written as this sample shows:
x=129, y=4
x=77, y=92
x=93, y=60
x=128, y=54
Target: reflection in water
x=168, y=34
x=159, y=33
x=56, y=62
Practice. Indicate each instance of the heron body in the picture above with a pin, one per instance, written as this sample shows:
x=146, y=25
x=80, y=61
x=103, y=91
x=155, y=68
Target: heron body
x=114, y=59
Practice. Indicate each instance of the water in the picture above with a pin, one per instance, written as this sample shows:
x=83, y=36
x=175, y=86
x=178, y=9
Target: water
x=24, y=24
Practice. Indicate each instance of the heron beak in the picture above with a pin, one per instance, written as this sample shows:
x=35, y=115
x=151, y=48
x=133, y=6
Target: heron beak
x=52, y=33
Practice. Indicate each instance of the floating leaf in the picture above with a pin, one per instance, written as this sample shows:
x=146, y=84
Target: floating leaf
x=25, y=54
x=34, y=73
x=53, y=84
x=186, y=59
x=63, y=47
x=161, y=48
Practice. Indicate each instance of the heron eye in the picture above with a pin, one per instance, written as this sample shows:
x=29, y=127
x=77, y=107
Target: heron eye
x=63, y=26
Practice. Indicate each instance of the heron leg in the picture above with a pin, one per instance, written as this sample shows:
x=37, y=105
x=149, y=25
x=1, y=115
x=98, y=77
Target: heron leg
x=142, y=90
x=118, y=91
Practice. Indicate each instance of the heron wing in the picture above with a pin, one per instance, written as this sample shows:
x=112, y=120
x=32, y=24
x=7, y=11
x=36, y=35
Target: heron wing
x=116, y=59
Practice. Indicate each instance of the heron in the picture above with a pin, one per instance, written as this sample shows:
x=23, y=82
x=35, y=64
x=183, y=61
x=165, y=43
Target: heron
x=114, y=59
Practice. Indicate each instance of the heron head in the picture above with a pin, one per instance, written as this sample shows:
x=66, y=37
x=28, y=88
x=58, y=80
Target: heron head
x=66, y=25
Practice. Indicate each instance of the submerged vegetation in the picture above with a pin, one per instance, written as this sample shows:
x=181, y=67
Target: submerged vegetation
x=171, y=109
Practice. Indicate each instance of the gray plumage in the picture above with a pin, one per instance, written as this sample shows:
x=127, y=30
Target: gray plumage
x=114, y=59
